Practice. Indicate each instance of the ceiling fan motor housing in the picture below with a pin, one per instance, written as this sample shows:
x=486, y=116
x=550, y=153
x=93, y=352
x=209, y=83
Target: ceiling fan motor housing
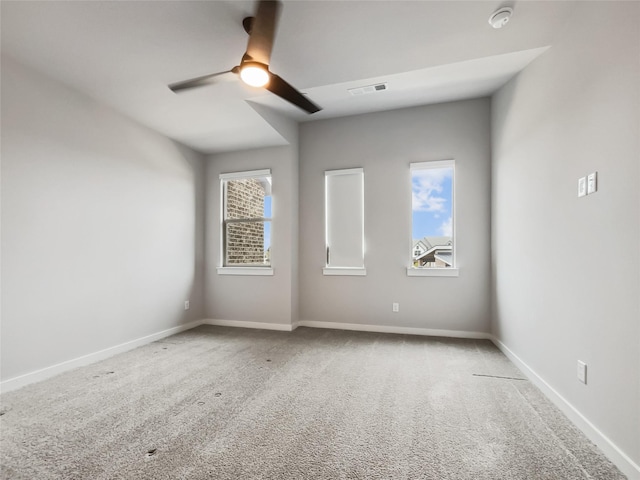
x=247, y=23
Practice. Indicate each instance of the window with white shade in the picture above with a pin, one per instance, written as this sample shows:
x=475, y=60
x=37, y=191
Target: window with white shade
x=344, y=222
x=432, y=219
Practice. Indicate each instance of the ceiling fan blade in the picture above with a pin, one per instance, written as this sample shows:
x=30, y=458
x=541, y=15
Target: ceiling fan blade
x=199, y=81
x=281, y=88
x=263, y=29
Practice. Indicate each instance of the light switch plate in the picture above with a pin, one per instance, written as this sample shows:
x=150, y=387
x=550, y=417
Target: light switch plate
x=592, y=183
x=582, y=186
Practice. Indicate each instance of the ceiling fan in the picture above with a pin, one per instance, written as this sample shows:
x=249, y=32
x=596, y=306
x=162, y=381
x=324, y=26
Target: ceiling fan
x=254, y=66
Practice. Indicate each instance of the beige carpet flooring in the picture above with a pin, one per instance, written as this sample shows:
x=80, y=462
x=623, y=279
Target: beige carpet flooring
x=223, y=403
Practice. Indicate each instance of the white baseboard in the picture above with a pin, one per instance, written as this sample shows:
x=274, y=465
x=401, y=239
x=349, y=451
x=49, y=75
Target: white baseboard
x=394, y=329
x=610, y=449
x=283, y=327
x=48, y=372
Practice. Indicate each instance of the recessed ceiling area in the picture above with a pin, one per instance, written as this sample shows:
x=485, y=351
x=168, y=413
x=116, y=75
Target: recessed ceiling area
x=124, y=54
x=455, y=81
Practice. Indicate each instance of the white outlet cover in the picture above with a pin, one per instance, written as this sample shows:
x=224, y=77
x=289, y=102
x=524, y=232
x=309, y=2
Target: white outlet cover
x=592, y=183
x=582, y=372
x=582, y=186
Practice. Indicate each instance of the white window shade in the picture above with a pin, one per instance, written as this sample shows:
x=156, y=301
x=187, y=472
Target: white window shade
x=344, y=210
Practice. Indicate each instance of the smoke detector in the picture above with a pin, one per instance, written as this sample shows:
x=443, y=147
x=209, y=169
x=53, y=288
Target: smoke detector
x=500, y=17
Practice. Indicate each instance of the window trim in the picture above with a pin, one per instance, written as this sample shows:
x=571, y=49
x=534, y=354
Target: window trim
x=346, y=271
x=248, y=174
x=432, y=272
x=452, y=271
x=335, y=270
x=249, y=268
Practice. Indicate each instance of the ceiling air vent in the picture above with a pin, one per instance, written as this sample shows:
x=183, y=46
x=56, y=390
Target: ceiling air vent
x=368, y=89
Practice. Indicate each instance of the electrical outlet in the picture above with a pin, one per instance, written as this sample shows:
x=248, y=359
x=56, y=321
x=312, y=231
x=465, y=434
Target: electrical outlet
x=186, y=305
x=582, y=372
x=582, y=186
x=395, y=307
x=592, y=183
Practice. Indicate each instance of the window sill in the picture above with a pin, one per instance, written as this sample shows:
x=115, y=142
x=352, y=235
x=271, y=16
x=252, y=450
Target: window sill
x=245, y=271
x=344, y=271
x=432, y=272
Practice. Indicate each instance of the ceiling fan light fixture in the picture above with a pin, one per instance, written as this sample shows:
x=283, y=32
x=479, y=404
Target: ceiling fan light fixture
x=254, y=74
x=254, y=66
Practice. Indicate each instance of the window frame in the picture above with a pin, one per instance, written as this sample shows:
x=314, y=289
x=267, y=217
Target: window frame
x=452, y=271
x=247, y=268
x=335, y=269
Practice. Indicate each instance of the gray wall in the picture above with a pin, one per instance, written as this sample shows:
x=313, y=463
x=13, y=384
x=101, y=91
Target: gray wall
x=565, y=269
x=102, y=226
x=384, y=144
x=267, y=299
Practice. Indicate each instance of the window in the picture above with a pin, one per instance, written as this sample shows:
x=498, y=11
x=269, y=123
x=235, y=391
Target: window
x=432, y=219
x=344, y=222
x=246, y=222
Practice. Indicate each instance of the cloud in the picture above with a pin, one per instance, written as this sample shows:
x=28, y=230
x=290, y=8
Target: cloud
x=446, y=229
x=425, y=187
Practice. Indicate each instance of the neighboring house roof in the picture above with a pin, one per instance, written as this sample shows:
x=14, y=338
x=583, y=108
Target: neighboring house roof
x=445, y=257
x=437, y=241
x=430, y=244
x=437, y=250
x=421, y=245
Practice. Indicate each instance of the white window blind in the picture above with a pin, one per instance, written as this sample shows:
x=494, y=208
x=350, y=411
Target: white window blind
x=344, y=210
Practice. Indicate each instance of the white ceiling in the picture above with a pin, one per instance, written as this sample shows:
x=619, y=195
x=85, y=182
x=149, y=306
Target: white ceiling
x=125, y=53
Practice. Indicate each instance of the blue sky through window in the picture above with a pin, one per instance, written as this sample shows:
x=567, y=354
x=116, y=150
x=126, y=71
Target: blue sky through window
x=267, y=225
x=431, y=201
